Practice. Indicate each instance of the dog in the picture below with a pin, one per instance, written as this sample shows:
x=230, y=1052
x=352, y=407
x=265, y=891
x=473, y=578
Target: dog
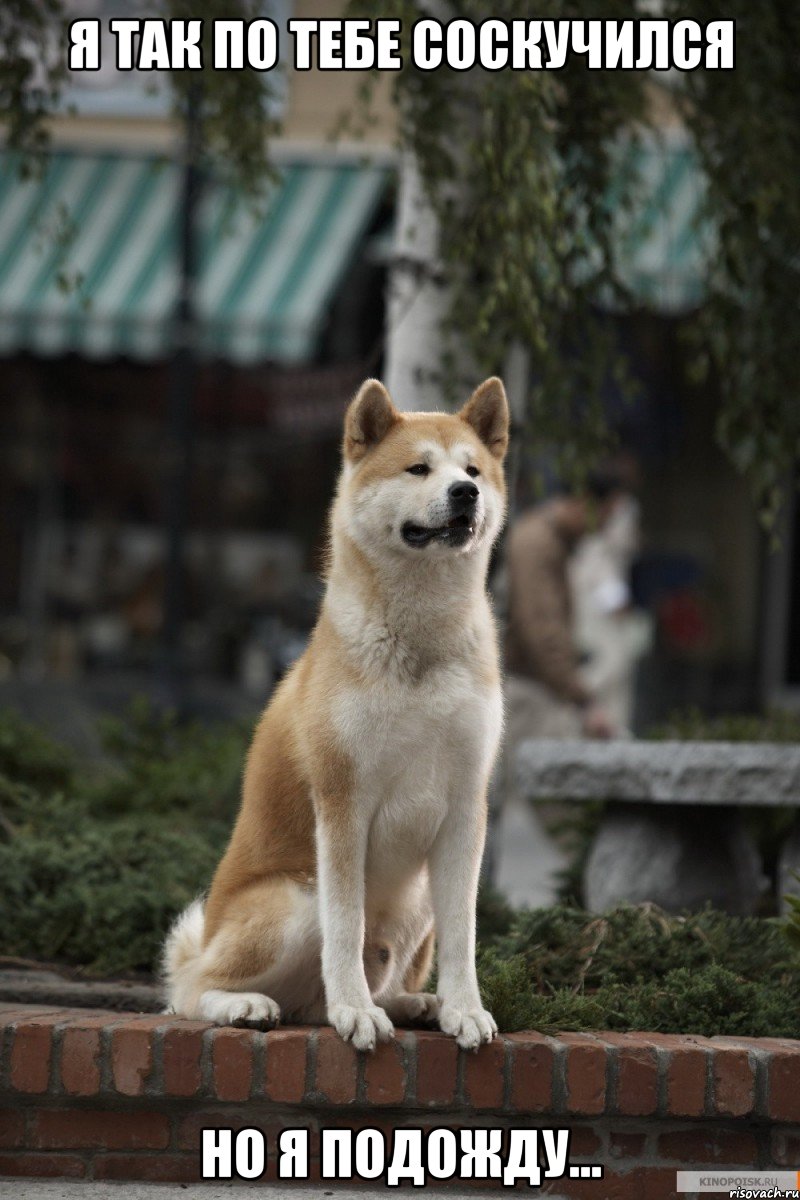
x=363, y=812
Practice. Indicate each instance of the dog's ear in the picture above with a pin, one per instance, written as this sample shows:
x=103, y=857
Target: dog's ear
x=369, y=418
x=487, y=412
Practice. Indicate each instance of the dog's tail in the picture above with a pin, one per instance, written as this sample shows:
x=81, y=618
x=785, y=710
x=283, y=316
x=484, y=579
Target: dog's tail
x=182, y=950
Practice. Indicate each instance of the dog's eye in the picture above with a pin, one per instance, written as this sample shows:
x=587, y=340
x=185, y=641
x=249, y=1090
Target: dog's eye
x=419, y=469
x=472, y=471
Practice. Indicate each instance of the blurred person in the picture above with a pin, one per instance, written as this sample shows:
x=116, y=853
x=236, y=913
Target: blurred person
x=547, y=695
x=611, y=634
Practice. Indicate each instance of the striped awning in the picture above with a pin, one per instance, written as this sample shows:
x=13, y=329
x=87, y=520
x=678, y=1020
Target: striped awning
x=663, y=246
x=89, y=257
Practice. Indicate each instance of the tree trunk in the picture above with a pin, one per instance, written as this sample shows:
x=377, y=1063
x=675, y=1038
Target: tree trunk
x=417, y=300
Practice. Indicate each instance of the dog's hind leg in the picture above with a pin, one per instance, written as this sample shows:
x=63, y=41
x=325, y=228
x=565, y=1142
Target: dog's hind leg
x=411, y=1003
x=262, y=959
x=251, y=1009
x=419, y=968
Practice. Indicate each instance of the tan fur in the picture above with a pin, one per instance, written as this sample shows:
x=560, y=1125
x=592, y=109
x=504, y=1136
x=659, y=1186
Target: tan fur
x=304, y=770
x=417, y=974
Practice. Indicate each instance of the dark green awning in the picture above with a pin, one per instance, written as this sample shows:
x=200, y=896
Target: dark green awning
x=88, y=257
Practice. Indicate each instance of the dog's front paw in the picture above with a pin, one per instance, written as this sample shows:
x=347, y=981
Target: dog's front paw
x=469, y=1026
x=361, y=1026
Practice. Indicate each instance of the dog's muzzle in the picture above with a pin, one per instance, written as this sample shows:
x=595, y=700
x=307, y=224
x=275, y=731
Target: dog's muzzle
x=462, y=498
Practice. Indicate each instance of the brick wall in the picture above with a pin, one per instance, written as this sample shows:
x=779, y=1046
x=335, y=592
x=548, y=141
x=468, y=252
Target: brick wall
x=104, y=1095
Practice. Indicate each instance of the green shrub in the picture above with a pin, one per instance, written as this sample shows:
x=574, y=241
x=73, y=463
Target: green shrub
x=100, y=894
x=710, y=1002
x=567, y=947
x=792, y=922
x=637, y=968
x=692, y=725
x=160, y=765
x=95, y=863
x=30, y=756
x=96, y=860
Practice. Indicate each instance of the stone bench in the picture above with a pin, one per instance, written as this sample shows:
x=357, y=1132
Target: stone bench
x=672, y=831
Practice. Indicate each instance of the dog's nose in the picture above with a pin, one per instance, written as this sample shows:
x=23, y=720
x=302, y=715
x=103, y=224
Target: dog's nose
x=462, y=494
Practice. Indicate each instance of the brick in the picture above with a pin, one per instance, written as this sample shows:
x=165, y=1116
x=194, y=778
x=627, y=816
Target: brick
x=31, y=1054
x=687, y=1071
x=489, y=1187
x=437, y=1064
x=770, y=1044
x=385, y=1073
x=182, y=1053
x=643, y=1183
x=637, y=1074
x=709, y=1146
x=131, y=1058
x=613, y=1186
x=285, y=1077
x=624, y=1145
x=12, y=1128
x=532, y=1061
x=385, y=1123
x=78, y=1017
x=584, y=1142
x=153, y=1168
x=785, y=1148
x=89, y=1019
x=80, y=1061
x=78, y=1129
x=784, y=1085
x=750, y=1043
x=232, y=1063
x=272, y=1128
x=734, y=1083
x=271, y=1173
x=11, y=1013
x=585, y=1074
x=337, y=1068
x=484, y=1082
x=656, y=1184
x=42, y=1166
x=190, y=1127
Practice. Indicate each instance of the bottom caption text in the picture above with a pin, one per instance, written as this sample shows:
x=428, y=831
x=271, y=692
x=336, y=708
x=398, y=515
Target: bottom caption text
x=411, y=1156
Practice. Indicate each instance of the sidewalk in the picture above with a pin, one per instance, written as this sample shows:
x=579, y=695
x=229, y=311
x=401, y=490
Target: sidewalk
x=59, y=1189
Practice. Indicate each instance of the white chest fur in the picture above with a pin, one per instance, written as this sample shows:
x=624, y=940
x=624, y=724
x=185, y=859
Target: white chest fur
x=416, y=750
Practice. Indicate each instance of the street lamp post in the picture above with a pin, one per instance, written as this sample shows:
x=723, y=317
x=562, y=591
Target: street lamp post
x=182, y=385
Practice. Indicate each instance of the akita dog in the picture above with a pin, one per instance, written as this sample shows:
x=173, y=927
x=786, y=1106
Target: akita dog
x=364, y=799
